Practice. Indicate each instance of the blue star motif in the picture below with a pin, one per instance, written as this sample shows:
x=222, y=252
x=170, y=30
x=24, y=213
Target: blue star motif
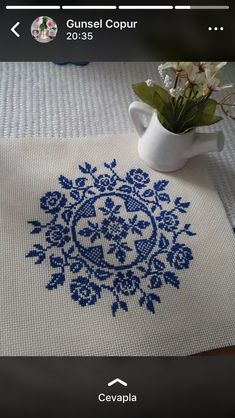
x=112, y=234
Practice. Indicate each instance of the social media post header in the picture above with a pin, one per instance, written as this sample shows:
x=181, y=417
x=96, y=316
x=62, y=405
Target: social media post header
x=114, y=32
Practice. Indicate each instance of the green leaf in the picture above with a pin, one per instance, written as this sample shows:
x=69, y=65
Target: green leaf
x=159, y=99
x=164, y=122
x=42, y=27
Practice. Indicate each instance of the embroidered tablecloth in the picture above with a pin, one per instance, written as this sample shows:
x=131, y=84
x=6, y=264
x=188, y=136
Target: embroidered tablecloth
x=103, y=256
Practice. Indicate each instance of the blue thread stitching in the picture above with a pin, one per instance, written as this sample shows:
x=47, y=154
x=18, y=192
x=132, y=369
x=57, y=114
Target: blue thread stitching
x=88, y=231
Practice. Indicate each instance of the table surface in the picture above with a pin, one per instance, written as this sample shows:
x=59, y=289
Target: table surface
x=43, y=100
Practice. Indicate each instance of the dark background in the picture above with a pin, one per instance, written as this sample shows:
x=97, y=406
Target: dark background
x=165, y=387
x=160, y=35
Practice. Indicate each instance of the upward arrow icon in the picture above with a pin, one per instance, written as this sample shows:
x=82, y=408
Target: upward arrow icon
x=117, y=380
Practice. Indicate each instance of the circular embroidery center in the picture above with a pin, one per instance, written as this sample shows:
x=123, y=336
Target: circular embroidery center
x=119, y=227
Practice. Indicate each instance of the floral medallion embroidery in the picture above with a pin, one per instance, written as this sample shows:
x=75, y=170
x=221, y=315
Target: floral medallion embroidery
x=113, y=234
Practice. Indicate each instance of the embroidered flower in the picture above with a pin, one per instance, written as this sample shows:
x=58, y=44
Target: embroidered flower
x=50, y=24
x=126, y=284
x=158, y=265
x=52, y=202
x=84, y=292
x=57, y=235
x=114, y=228
x=179, y=256
x=137, y=177
x=104, y=182
x=168, y=221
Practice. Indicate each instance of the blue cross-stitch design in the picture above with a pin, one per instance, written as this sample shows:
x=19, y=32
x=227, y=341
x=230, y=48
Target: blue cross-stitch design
x=113, y=234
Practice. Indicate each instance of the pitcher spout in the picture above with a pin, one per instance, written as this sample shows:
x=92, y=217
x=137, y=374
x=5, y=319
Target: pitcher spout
x=205, y=142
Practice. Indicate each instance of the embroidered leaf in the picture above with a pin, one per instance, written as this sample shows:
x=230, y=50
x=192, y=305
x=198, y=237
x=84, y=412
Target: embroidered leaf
x=187, y=226
x=56, y=262
x=92, y=225
x=148, y=193
x=75, y=194
x=39, y=247
x=150, y=305
x=171, y=278
x=34, y=223
x=66, y=215
x=111, y=165
x=154, y=297
x=95, y=236
x=185, y=205
x=163, y=242
x=143, y=224
x=181, y=206
x=136, y=230
x=76, y=267
x=164, y=197
x=102, y=274
x=142, y=300
x=177, y=201
x=38, y=227
x=115, y=307
x=150, y=298
x=155, y=281
x=80, y=181
x=57, y=279
x=112, y=248
x=71, y=250
x=121, y=255
x=117, y=209
x=36, y=230
x=65, y=183
x=39, y=254
x=125, y=189
x=86, y=232
x=123, y=306
x=125, y=247
x=86, y=169
x=142, y=269
x=32, y=253
x=190, y=233
x=93, y=170
x=160, y=185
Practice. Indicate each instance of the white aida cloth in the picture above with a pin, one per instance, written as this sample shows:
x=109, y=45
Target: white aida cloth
x=129, y=261
x=44, y=100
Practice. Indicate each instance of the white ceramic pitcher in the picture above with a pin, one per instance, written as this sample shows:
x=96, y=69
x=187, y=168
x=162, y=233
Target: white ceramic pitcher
x=163, y=150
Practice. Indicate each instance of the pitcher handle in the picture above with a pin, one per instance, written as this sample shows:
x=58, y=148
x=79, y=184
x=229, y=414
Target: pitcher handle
x=136, y=109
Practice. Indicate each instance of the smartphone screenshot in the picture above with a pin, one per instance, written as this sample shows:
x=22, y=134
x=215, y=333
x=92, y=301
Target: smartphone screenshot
x=117, y=209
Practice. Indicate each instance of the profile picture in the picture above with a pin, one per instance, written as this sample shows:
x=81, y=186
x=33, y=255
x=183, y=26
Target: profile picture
x=44, y=29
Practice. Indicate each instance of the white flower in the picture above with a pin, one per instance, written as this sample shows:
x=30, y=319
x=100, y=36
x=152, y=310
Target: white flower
x=178, y=66
x=149, y=83
x=214, y=67
x=176, y=92
x=213, y=83
x=168, y=81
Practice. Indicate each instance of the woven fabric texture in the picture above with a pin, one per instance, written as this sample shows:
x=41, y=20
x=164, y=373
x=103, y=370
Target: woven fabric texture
x=103, y=256
x=43, y=100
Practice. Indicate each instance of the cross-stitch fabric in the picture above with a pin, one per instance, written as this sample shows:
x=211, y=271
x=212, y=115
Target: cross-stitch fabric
x=103, y=256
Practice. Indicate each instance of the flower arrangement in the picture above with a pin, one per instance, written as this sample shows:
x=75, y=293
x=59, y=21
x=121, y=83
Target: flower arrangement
x=185, y=102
